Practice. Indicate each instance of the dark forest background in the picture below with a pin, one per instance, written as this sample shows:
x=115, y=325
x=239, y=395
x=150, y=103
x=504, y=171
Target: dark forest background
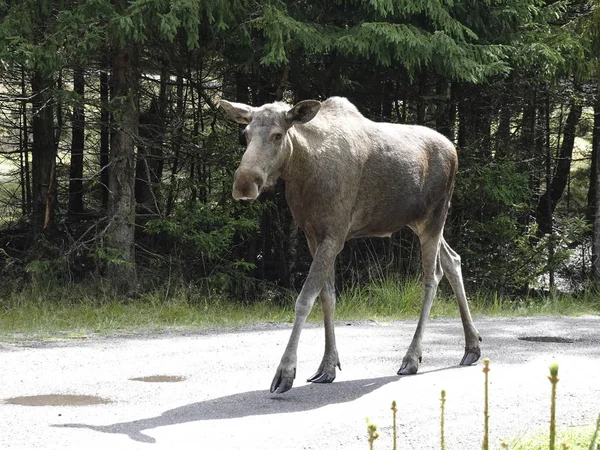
x=116, y=163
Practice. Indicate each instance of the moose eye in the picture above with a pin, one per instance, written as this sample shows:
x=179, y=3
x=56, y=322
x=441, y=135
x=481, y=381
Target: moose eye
x=277, y=137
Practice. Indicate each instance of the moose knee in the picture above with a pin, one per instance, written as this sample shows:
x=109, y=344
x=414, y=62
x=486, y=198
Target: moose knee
x=303, y=307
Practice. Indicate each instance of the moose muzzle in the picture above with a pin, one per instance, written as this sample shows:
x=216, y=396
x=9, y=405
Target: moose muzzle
x=247, y=184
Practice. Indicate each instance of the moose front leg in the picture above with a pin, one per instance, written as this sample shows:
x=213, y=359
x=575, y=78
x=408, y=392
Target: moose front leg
x=326, y=371
x=320, y=269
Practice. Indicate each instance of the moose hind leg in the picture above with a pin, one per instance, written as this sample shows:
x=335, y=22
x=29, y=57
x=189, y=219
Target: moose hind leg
x=432, y=269
x=326, y=371
x=451, y=265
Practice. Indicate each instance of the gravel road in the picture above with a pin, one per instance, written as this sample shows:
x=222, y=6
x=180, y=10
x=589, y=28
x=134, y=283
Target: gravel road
x=209, y=390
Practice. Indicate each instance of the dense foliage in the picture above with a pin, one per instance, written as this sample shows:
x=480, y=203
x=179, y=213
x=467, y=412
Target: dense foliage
x=117, y=163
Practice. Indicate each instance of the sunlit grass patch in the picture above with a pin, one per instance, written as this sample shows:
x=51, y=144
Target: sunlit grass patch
x=74, y=309
x=59, y=311
x=576, y=438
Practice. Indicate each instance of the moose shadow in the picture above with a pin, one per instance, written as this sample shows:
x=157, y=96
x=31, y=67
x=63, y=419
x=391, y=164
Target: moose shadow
x=253, y=403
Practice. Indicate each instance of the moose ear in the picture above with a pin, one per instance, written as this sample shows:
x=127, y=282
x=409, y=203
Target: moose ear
x=303, y=111
x=239, y=112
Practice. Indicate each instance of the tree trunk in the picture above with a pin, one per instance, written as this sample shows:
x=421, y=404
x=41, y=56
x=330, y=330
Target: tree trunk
x=121, y=182
x=43, y=153
x=176, y=142
x=445, y=110
x=24, y=140
x=150, y=158
x=474, y=130
x=503, y=140
x=550, y=198
x=77, y=144
x=104, y=135
x=595, y=180
x=149, y=161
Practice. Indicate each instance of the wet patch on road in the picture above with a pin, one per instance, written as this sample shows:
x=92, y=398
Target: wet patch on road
x=548, y=339
x=57, y=400
x=160, y=379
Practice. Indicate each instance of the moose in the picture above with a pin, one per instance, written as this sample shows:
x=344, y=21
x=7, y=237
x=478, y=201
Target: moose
x=347, y=177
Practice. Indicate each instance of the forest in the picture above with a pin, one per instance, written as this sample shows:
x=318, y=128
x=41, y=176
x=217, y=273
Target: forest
x=116, y=162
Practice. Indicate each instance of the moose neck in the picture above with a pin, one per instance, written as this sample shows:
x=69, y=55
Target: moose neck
x=299, y=156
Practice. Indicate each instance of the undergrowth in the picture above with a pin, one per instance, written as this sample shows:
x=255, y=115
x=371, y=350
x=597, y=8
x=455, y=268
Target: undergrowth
x=44, y=310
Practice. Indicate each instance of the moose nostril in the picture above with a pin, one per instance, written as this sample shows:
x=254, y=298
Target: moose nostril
x=258, y=182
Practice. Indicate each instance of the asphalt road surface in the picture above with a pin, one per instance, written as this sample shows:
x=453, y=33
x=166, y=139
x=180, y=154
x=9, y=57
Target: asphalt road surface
x=209, y=390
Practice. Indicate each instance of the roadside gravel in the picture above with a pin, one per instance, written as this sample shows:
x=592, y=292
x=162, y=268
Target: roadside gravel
x=210, y=389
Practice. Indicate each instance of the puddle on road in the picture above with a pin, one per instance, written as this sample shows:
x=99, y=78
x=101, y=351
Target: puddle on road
x=550, y=339
x=57, y=400
x=160, y=379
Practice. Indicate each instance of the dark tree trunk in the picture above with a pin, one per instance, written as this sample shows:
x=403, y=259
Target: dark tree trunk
x=474, y=132
x=121, y=202
x=445, y=110
x=176, y=142
x=421, y=103
x=550, y=198
x=592, y=193
x=502, y=141
x=104, y=135
x=25, y=172
x=150, y=158
x=43, y=154
x=149, y=165
x=595, y=182
x=77, y=144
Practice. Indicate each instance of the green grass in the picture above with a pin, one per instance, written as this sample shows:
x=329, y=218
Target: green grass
x=576, y=438
x=48, y=310
x=395, y=299
x=79, y=310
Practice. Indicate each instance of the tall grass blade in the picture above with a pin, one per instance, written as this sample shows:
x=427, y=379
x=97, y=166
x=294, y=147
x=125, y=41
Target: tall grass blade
x=553, y=380
x=486, y=416
x=594, y=443
x=443, y=440
x=394, y=411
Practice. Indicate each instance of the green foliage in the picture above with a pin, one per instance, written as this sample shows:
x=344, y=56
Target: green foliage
x=431, y=62
x=26, y=37
x=386, y=33
x=497, y=246
x=204, y=229
x=284, y=33
x=201, y=236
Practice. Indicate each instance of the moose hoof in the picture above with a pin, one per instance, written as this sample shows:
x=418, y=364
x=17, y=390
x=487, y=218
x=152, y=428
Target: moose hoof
x=322, y=377
x=281, y=382
x=471, y=356
x=325, y=373
x=409, y=366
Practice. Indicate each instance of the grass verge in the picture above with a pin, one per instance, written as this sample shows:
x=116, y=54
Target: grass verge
x=46, y=311
x=576, y=438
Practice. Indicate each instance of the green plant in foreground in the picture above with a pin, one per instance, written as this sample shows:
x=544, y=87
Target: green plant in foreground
x=373, y=434
x=553, y=380
x=394, y=411
x=486, y=416
x=443, y=400
x=594, y=443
